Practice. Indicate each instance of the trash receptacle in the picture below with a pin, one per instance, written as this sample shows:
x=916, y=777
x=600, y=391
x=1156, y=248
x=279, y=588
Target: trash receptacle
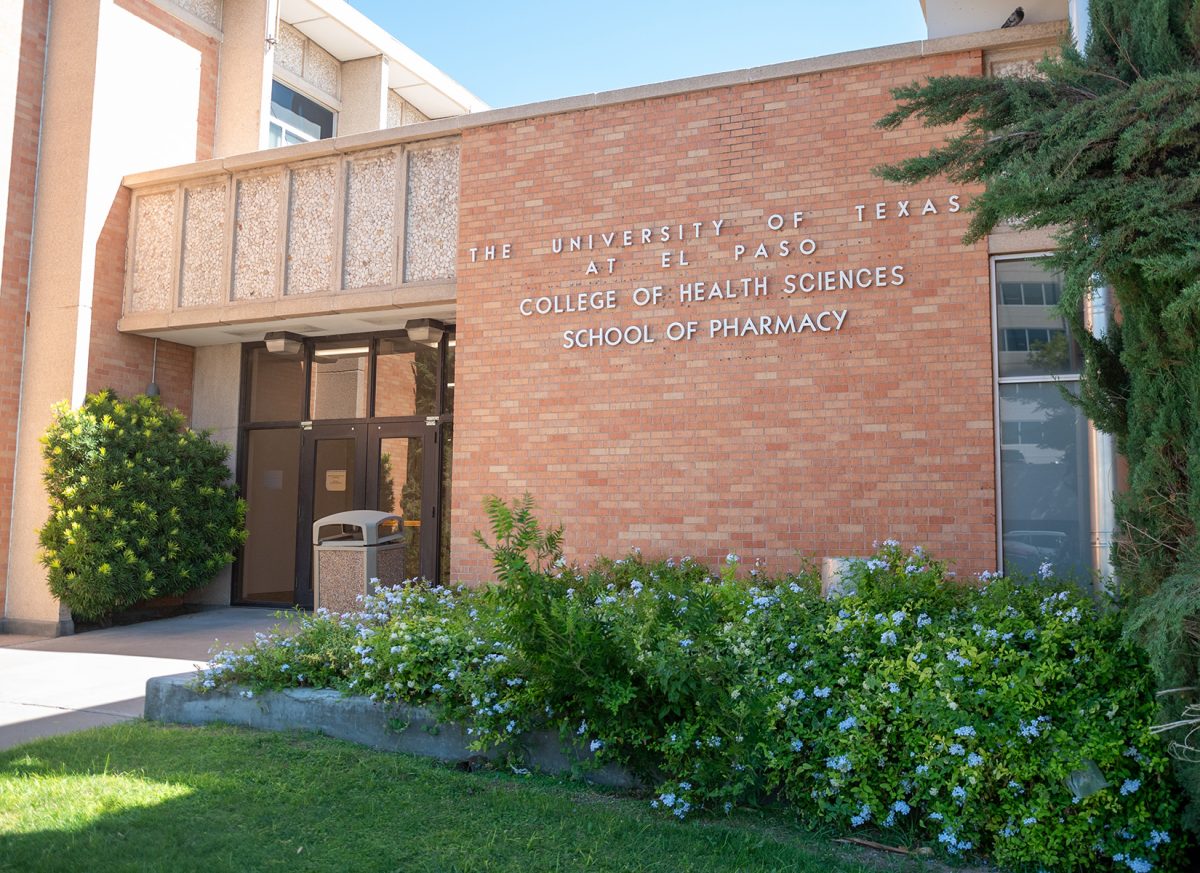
x=349, y=550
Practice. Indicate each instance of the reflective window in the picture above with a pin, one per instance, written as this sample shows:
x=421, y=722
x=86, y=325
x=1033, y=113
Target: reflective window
x=1033, y=339
x=276, y=386
x=339, y=380
x=1044, y=480
x=1044, y=464
x=401, y=461
x=448, y=388
x=406, y=376
x=296, y=118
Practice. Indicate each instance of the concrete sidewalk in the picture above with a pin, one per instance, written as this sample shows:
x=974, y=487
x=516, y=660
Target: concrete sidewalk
x=54, y=686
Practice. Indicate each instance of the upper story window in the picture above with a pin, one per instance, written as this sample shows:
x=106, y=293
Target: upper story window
x=296, y=118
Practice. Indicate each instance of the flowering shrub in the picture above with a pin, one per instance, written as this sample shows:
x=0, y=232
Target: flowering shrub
x=1006, y=719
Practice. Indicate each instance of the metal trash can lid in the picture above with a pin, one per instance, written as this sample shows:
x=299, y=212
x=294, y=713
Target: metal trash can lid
x=369, y=521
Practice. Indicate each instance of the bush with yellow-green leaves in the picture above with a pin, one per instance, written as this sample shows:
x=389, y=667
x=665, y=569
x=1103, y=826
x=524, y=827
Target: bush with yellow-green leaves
x=140, y=505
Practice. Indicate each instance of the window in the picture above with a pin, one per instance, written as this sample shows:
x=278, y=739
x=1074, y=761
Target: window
x=1043, y=439
x=296, y=118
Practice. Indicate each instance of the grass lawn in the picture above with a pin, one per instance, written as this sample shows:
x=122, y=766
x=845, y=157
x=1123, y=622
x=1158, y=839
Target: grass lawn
x=140, y=796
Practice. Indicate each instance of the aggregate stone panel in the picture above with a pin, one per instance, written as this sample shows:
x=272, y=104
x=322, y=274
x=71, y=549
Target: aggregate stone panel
x=391, y=564
x=367, y=258
x=208, y=11
x=289, y=49
x=256, y=238
x=153, y=252
x=311, y=205
x=431, y=227
x=412, y=115
x=322, y=69
x=203, y=245
x=395, y=109
x=341, y=579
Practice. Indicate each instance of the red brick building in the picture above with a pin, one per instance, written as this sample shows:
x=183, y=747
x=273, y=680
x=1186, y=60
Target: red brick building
x=685, y=317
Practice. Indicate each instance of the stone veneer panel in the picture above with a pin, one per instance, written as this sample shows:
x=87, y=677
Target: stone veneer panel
x=256, y=238
x=395, y=109
x=370, y=221
x=153, y=252
x=431, y=225
x=289, y=49
x=202, y=281
x=311, y=212
x=401, y=112
x=208, y=11
x=341, y=579
x=412, y=115
x=322, y=69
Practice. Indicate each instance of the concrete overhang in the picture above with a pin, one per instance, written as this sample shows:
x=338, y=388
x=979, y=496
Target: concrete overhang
x=221, y=325
x=349, y=35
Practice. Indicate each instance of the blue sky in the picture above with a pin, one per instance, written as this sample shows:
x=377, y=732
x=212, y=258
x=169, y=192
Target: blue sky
x=512, y=53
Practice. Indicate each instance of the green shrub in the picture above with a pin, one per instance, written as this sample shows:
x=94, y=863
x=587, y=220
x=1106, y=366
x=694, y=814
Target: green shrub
x=1008, y=719
x=139, y=505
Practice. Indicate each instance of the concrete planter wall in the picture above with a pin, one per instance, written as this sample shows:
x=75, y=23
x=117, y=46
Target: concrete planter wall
x=410, y=729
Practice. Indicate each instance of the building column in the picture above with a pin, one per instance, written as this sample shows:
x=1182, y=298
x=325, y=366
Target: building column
x=55, y=361
x=215, y=404
x=364, y=96
x=244, y=80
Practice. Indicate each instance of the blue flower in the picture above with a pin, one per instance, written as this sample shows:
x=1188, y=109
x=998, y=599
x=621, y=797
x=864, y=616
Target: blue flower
x=958, y=792
x=847, y=723
x=956, y=749
x=797, y=745
x=840, y=763
x=901, y=807
x=821, y=692
x=898, y=616
x=894, y=688
x=596, y=745
x=974, y=760
x=1157, y=838
x=864, y=815
x=683, y=644
x=1130, y=785
x=923, y=620
x=964, y=731
x=888, y=638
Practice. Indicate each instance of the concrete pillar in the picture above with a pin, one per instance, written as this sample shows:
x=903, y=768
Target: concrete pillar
x=244, y=76
x=120, y=95
x=53, y=358
x=364, y=96
x=215, y=399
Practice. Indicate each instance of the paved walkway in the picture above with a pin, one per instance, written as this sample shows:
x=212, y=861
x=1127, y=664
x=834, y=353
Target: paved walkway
x=53, y=686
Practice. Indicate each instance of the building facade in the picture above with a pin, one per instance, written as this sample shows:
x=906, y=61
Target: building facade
x=684, y=317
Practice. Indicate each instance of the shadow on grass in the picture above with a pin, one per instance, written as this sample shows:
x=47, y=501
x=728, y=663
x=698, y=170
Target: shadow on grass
x=139, y=796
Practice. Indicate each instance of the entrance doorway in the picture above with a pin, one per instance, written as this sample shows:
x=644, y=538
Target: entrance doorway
x=378, y=435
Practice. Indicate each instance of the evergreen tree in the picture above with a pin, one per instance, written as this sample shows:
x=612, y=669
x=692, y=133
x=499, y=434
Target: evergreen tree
x=1104, y=147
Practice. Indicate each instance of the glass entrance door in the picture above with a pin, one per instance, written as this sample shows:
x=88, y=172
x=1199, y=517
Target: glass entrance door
x=337, y=423
x=333, y=475
x=402, y=480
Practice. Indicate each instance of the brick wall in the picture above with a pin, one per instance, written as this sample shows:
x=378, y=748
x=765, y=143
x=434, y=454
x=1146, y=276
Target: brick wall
x=14, y=266
x=774, y=447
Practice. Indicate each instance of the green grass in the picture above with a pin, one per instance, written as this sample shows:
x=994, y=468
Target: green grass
x=139, y=796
